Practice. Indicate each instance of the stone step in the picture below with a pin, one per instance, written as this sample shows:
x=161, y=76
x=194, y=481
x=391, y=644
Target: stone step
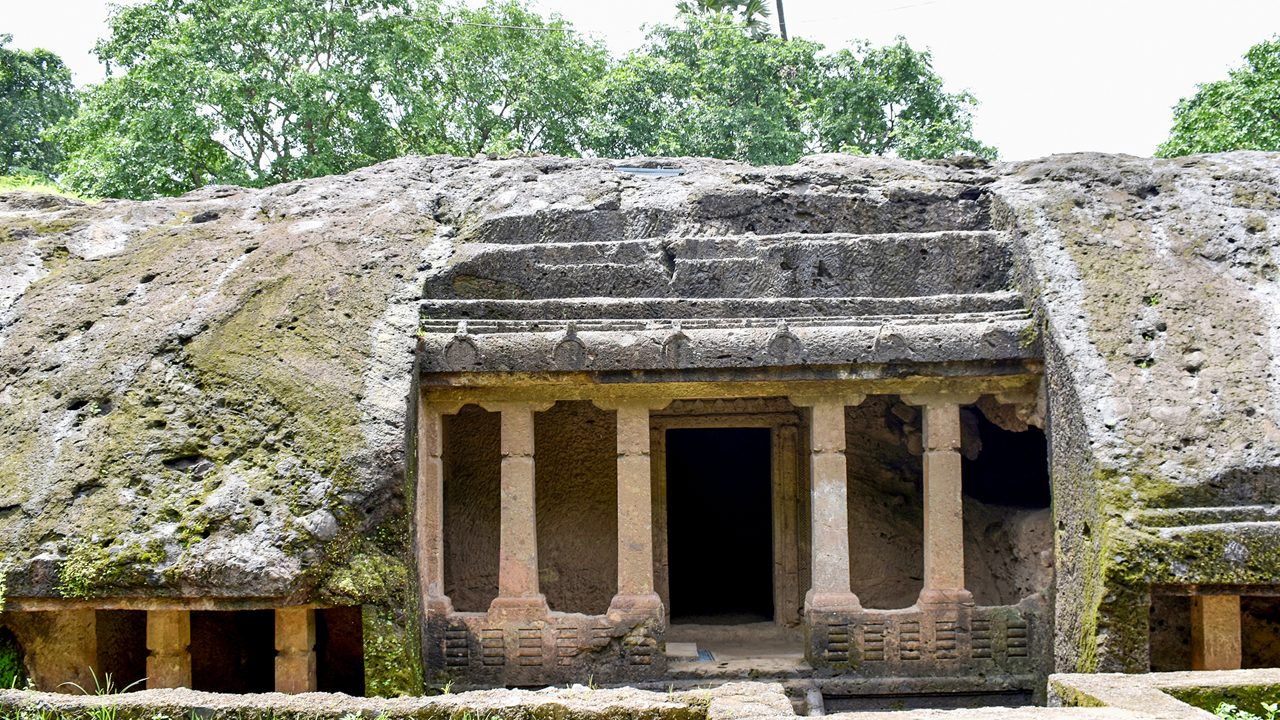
x=1200, y=516
x=791, y=265
x=607, y=308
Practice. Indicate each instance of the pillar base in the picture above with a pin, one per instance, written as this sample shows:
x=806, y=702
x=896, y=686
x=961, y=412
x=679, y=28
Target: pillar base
x=532, y=607
x=647, y=605
x=933, y=598
x=437, y=605
x=296, y=673
x=831, y=602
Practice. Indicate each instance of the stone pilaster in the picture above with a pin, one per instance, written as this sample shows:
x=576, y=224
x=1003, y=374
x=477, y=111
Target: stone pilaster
x=830, y=505
x=168, y=649
x=518, y=591
x=296, y=650
x=429, y=510
x=1215, y=632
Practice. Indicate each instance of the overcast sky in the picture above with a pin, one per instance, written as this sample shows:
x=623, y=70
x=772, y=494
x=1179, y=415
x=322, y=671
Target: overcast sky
x=1051, y=75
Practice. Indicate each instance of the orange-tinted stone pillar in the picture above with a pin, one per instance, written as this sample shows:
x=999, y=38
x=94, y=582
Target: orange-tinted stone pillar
x=1215, y=632
x=296, y=650
x=168, y=649
x=518, y=592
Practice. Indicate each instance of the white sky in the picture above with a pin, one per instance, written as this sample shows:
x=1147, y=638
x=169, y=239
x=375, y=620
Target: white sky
x=1051, y=75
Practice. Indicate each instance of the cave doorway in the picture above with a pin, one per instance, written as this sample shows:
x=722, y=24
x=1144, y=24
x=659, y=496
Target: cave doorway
x=720, y=525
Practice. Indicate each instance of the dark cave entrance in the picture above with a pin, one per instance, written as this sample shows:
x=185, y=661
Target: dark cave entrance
x=1012, y=468
x=719, y=525
x=233, y=651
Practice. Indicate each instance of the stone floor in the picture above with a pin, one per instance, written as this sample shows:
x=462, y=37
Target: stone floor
x=758, y=649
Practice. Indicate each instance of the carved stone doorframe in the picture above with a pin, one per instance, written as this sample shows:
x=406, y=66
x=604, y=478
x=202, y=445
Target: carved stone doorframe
x=789, y=489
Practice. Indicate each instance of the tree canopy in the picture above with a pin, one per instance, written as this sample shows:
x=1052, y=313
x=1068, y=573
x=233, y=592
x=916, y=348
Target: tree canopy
x=1239, y=113
x=257, y=92
x=706, y=87
x=35, y=93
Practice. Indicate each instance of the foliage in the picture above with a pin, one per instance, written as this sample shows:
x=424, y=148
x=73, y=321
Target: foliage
x=1239, y=113
x=13, y=674
x=706, y=87
x=877, y=101
x=257, y=92
x=479, y=80
x=35, y=93
x=254, y=92
x=31, y=183
x=1231, y=712
x=753, y=12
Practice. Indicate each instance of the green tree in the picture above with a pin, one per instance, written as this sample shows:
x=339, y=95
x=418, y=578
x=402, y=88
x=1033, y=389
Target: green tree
x=253, y=91
x=713, y=87
x=889, y=100
x=1239, y=113
x=35, y=94
x=706, y=87
x=494, y=79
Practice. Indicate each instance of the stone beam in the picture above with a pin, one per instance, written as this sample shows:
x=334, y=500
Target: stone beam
x=168, y=649
x=829, y=506
x=296, y=650
x=1215, y=632
x=518, y=592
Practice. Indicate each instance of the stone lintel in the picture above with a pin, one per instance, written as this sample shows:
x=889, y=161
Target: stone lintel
x=493, y=390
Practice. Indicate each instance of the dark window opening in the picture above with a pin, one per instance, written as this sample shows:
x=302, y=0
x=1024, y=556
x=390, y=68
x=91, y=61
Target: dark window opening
x=340, y=650
x=1169, y=624
x=233, y=651
x=122, y=649
x=719, y=525
x=1259, y=631
x=1011, y=469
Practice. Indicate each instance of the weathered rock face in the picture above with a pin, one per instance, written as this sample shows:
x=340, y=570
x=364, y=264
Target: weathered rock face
x=208, y=396
x=1157, y=281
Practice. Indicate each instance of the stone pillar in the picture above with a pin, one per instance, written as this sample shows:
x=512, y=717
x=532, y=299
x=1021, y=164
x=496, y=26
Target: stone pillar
x=429, y=510
x=296, y=650
x=1215, y=632
x=635, y=595
x=829, y=506
x=518, y=591
x=168, y=649
x=943, y=512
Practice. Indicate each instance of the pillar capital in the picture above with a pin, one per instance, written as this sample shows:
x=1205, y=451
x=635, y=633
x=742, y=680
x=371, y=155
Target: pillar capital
x=940, y=398
x=843, y=399
x=505, y=406
x=616, y=403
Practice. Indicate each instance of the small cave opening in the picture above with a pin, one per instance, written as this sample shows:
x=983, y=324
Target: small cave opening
x=719, y=525
x=1009, y=468
x=1007, y=498
x=340, y=650
x=122, y=648
x=13, y=662
x=233, y=651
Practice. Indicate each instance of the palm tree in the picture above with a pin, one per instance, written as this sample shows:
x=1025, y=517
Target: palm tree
x=782, y=21
x=753, y=12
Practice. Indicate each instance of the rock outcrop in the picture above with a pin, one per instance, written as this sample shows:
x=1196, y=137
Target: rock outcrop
x=207, y=396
